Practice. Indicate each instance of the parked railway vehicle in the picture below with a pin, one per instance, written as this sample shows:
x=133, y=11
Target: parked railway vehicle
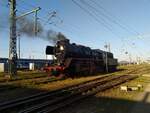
x=72, y=60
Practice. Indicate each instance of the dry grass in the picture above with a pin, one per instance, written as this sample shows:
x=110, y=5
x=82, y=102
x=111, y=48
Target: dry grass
x=31, y=83
x=2, y=74
x=113, y=100
x=109, y=101
x=117, y=93
x=26, y=87
x=22, y=75
x=66, y=82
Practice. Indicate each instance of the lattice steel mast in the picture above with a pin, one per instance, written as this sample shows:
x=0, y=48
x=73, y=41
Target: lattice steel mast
x=13, y=40
x=12, y=68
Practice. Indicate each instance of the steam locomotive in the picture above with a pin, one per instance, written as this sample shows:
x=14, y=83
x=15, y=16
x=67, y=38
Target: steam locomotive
x=74, y=60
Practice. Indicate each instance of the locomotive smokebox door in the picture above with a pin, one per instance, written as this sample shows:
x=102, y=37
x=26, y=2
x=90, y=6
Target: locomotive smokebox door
x=49, y=50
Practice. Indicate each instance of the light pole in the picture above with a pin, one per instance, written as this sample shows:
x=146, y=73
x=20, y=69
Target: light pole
x=106, y=57
x=19, y=50
x=129, y=55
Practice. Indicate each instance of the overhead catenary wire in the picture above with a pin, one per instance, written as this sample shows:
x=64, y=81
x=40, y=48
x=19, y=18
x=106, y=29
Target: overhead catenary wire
x=70, y=28
x=118, y=21
x=20, y=12
x=93, y=16
x=34, y=6
x=110, y=17
x=46, y=18
x=107, y=25
x=31, y=5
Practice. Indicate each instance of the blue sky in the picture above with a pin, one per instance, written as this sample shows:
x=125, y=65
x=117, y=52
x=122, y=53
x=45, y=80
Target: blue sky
x=122, y=23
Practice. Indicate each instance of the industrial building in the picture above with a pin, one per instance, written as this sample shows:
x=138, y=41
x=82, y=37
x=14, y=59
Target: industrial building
x=30, y=64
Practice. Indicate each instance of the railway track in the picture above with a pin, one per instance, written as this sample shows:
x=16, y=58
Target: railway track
x=14, y=84
x=50, y=101
x=18, y=79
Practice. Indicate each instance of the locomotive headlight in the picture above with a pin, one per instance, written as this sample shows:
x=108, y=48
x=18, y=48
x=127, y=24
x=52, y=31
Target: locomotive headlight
x=61, y=48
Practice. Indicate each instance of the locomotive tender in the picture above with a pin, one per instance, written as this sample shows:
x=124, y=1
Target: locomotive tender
x=73, y=60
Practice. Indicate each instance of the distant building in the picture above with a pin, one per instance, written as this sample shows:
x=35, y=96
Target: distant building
x=25, y=63
x=147, y=61
x=126, y=63
x=123, y=62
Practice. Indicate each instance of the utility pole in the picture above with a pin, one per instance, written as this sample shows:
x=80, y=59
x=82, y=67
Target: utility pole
x=130, y=59
x=106, y=57
x=106, y=62
x=109, y=47
x=129, y=55
x=12, y=41
x=18, y=34
x=18, y=45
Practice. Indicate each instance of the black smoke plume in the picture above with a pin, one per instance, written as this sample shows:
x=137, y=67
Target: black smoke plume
x=54, y=36
x=27, y=27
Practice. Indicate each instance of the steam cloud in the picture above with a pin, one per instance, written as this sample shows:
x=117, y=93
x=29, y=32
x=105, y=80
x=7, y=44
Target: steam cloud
x=26, y=27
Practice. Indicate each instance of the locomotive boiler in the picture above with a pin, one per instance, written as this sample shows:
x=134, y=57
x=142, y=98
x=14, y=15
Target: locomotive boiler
x=74, y=60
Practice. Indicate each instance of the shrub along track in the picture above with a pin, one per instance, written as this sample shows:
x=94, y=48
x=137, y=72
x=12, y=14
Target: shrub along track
x=51, y=101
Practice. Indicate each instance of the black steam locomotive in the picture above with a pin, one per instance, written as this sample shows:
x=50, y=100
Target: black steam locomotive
x=73, y=60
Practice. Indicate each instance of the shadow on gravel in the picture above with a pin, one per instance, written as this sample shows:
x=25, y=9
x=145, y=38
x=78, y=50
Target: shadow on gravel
x=91, y=104
x=10, y=92
x=120, y=70
x=106, y=105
